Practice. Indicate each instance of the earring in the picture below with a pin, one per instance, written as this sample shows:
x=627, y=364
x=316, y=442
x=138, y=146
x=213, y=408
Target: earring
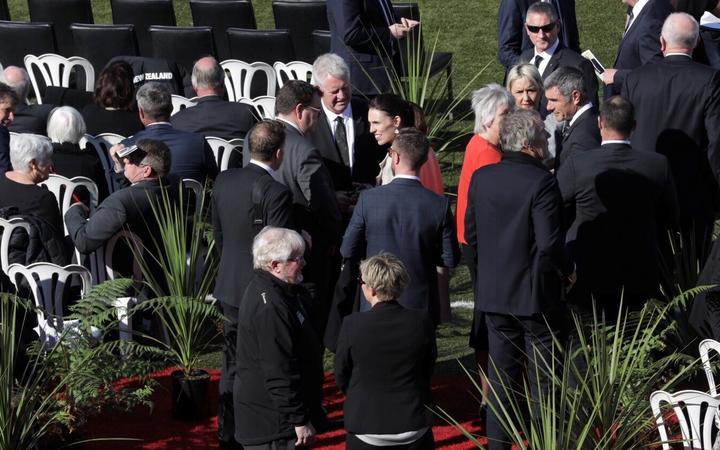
x=397, y=131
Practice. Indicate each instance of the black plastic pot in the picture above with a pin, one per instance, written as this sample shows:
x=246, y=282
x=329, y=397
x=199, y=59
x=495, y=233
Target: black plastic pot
x=190, y=395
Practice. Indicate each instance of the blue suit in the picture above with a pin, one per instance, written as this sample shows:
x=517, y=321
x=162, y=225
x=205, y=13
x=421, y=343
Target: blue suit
x=191, y=155
x=413, y=223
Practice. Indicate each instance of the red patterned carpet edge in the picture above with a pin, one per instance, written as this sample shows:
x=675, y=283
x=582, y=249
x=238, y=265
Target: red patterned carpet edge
x=156, y=429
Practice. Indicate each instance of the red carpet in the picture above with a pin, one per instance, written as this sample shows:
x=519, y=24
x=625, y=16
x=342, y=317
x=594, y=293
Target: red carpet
x=157, y=429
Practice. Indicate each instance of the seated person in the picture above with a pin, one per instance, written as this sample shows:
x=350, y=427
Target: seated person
x=112, y=110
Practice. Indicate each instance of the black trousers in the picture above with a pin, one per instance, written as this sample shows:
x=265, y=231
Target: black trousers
x=513, y=341
x=424, y=443
x=226, y=416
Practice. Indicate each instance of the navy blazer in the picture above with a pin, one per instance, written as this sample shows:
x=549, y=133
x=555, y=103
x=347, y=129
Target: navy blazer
x=213, y=116
x=512, y=37
x=513, y=223
x=584, y=134
x=413, y=223
x=641, y=44
x=360, y=34
x=191, y=155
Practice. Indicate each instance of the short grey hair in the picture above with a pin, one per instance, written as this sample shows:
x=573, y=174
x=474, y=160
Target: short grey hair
x=485, y=103
x=385, y=273
x=20, y=85
x=544, y=8
x=329, y=64
x=275, y=244
x=65, y=124
x=155, y=99
x=526, y=72
x=567, y=79
x=26, y=147
x=519, y=129
x=676, y=35
x=211, y=77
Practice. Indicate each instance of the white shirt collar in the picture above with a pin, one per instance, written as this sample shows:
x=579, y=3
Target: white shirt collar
x=678, y=54
x=291, y=124
x=158, y=123
x=579, y=113
x=547, y=54
x=332, y=115
x=615, y=141
x=407, y=177
x=637, y=9
x=263, y=165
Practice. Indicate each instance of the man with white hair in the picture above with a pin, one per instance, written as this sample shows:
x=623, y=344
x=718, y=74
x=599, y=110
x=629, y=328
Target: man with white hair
x=28, y=118
x=677, y=107
x=342, y=133
x=213, y=115
x=278, y=383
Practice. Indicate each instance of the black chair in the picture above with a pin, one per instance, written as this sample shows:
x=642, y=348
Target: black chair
x=184, y=45
x=265, y=46
x=221, y=15
x=61, y=13
x=301, y=18
x=4, y=10
x=321, y=42
x=143, y=14
x=23, y=38
x=441, y=61
x=100, y=43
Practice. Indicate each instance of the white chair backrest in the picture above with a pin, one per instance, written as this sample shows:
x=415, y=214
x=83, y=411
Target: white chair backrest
x=239, y=76
x=294, y=70
x=705, y=347
x=47, y=284
x=101, y=149
x=223, y=149
x=63, y=189
x=179, y=103
x=101, y=261
x=110, y=138
x=695, y=412
x=56, y=69
x=8, y=228
x=265, y=106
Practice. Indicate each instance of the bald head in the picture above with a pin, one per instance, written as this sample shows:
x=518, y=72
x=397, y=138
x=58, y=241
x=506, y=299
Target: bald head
x=208, y=78
x=19, y=80
x=679, y=34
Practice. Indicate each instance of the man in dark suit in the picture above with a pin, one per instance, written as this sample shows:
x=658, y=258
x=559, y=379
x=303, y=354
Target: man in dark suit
x=513, y=222
x=8, y=102
x=27, y=118
x=677, y=104
x=244, y=201
x=364, y=34
x=191, y=155
x=315, y=209
x=512, y=39
x=409, y=221
x=624, y=200
x=567, y=100
x=342, y=133
x=548, y=52
x=213, y=116
x=639, y=44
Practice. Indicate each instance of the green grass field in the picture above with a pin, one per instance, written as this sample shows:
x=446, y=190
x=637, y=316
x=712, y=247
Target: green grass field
x=468, y=29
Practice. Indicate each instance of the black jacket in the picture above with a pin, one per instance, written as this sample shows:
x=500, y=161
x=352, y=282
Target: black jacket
x=213, y=116
x=278, y=382
x=384, y=363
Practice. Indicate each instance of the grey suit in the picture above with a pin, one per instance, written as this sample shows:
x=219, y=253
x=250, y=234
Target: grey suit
x=413, y=223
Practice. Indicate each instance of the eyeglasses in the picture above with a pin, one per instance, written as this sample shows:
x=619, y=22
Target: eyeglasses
x=546, y=28
x=298, y=259
x=312, y=108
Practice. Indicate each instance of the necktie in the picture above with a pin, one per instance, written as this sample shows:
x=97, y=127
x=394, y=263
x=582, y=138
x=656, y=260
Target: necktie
x=341, y=140
x=566, y=130
x=629, y=22
x=538, y=60
x=387, y=12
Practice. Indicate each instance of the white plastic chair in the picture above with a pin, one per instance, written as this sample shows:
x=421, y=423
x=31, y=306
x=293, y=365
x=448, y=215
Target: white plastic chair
x=239, y=76
x=56, y=69
x=8, y=228
x=179, y=103
x=264, y=106
x=101, y=148
x=294, y=70
x=695, y=412
x=223, y=149
x=110, y=138
x=705, y=347
x=63, y=189
x=47, y=282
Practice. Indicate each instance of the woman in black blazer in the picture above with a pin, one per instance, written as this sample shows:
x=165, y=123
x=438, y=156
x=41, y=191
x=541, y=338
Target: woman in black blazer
x=384, y=363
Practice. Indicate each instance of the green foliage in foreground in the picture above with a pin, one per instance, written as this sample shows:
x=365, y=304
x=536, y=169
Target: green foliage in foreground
x=600, y=383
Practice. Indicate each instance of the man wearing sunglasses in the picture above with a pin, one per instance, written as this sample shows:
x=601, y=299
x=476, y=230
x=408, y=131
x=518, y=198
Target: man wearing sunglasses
x=548, y=52
x=512, y=38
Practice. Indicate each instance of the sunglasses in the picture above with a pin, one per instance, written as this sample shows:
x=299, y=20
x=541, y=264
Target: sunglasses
x=546, y=28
